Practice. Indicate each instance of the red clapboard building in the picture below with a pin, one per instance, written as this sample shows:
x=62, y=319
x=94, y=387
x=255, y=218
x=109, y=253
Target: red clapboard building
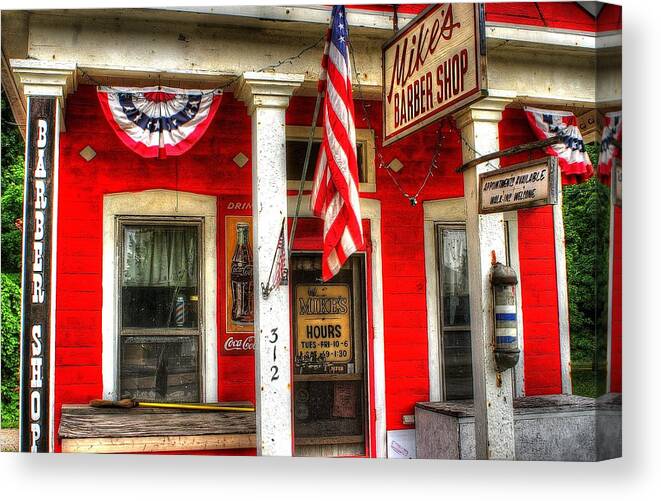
x=149, y=296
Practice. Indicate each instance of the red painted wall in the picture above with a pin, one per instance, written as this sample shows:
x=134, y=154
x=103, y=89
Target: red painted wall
x=616, y=305
x=538, y=274
x=560, y=15
x=208, y=169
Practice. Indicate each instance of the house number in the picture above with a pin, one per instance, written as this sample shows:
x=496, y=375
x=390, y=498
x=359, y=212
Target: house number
x=274, y=368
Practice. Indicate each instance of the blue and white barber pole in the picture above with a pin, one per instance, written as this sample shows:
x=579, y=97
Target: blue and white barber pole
x=180, y=311
x=506, y=348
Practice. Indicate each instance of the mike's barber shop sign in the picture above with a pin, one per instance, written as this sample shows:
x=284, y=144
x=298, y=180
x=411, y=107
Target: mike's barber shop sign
x=431, y=68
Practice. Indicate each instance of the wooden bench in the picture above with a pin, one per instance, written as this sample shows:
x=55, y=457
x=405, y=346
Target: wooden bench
x=107, y=430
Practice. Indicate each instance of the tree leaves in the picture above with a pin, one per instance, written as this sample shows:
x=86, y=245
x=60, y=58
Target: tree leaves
x=12, y=208
x=12, y=190
x=586, y=211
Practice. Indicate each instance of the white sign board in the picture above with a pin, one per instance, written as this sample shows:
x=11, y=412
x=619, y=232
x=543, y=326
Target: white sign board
x=401, y=444
x=432, y=67
x=520, y=186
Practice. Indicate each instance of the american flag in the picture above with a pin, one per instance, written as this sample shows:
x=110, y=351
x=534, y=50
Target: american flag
x=281, y=276
x=335, y=189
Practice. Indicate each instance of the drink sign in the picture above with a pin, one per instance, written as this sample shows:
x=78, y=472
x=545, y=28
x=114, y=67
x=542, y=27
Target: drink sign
x=323, y=328
x=432, y=67
x=238, y=337
x=520, y=186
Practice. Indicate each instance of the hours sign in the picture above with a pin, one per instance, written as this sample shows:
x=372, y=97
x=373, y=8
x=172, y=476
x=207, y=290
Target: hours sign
x=431, y=68
x=323, y=327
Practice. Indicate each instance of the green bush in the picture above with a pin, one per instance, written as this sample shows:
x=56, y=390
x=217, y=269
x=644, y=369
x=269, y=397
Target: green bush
x=12, y=209
x=11, y=327
x=586, y=211
x=12, y=190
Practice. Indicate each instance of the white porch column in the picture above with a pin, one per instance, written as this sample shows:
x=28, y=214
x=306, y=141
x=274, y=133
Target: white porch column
x=45, y=85
x=494, y=421
x=267, y=96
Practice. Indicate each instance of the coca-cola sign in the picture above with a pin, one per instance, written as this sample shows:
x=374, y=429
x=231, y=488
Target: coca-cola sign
x=234, y=344
x=432, y=67
x=237, y=307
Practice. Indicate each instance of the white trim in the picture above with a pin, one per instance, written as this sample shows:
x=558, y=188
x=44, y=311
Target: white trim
x=563, y=296
x=159, y=203
x=370, y=209
x=307, y=14
x=611, y=257
x=512, y=218
x=449, y=210
x=552, y=36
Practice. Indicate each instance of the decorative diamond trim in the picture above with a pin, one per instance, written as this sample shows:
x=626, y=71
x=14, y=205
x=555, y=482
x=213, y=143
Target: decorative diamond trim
x=88, y=153
x=240, y=160
x=395, y=165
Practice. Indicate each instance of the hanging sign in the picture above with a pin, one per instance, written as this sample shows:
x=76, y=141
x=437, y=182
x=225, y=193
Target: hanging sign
x=38, y=224
x=323, y=328
x=520, y=186
x=432, y=67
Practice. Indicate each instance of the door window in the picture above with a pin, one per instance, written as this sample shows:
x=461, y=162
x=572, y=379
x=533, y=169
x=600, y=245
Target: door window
x=454, y=312
x=329, y=362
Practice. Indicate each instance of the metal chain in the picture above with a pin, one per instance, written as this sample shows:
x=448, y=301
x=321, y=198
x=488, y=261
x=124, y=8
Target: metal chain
x=475, y=152
x=413, y=199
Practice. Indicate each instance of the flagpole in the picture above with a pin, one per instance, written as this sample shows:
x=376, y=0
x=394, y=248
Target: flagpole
x=308, y=151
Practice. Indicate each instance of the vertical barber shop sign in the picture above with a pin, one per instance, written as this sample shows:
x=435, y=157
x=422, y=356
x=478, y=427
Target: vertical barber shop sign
x=38, y=273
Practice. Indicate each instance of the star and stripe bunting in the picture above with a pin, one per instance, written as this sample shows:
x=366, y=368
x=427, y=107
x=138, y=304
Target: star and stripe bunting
x=611, y=140
x=574, y=161
x=334, y=195
x=158, y=121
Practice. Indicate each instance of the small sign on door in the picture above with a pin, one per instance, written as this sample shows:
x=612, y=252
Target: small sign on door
x=401, y=444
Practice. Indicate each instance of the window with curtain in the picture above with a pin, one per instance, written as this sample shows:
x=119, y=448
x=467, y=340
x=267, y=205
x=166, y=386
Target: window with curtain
x=454, y=312
x=160, y=298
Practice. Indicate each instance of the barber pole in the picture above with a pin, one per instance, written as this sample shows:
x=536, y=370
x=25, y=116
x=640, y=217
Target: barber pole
x=180, y=311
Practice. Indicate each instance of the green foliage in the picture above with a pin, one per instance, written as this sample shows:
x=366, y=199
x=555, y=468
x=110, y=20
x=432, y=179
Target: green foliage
x=12, y=190
x=12, y=209
x=586, y=210
x=11, y=327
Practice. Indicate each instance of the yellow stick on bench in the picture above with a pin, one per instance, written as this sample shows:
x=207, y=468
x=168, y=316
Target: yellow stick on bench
x=128, y=403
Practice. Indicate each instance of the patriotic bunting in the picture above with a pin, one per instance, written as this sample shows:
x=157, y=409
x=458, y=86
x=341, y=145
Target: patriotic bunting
x=574, y=162
x=335, y=196
x=158, y=121
x=611, y=140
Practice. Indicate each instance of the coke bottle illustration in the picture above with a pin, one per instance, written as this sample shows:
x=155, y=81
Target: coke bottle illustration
x=241, y=277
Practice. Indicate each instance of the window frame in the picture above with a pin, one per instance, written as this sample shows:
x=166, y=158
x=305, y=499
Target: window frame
x=438, y=230
x=363, y=136
x=163, y=204
x=161, y=221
